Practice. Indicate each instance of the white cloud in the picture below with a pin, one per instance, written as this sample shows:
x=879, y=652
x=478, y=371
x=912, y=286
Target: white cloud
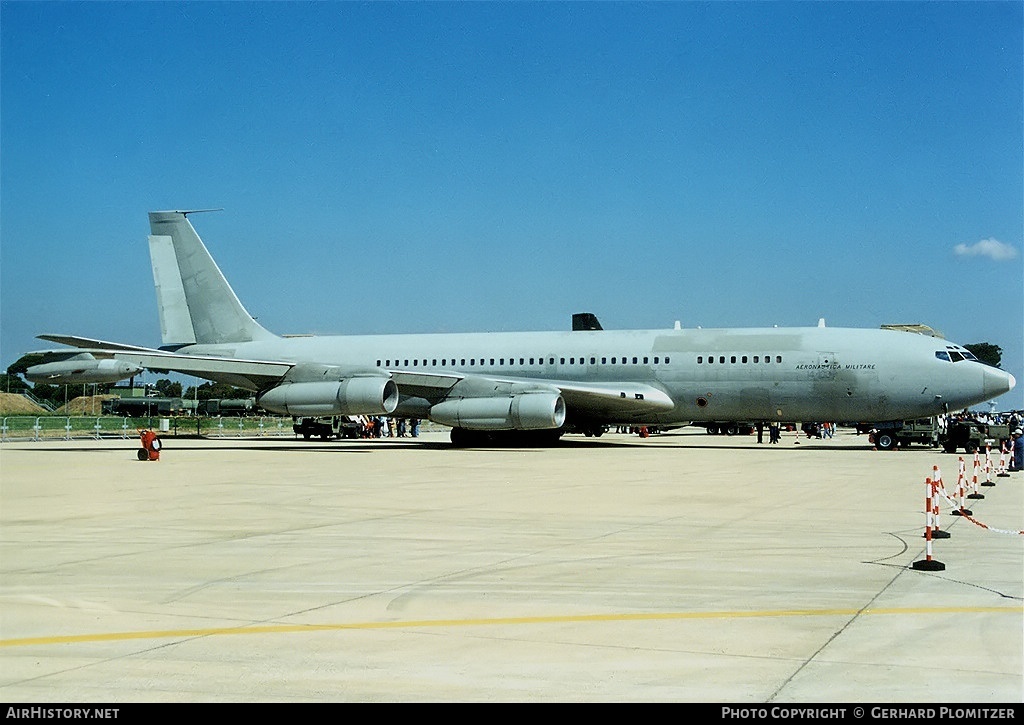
x=991, y=248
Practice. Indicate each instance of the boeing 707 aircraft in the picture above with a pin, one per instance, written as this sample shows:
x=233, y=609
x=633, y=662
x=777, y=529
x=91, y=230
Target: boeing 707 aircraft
x=545, y=383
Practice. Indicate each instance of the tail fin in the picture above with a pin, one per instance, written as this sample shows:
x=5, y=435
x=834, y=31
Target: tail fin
x=196, y=303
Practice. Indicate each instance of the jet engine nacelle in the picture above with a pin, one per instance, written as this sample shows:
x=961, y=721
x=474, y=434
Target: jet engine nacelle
x=81, y=370
x=526, y=411
x=369, y=395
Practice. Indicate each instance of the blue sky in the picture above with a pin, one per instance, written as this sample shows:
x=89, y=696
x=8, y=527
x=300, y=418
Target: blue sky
x=434, y=167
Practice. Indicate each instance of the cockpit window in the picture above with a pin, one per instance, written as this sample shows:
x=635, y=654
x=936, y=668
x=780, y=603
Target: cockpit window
x=955, y=355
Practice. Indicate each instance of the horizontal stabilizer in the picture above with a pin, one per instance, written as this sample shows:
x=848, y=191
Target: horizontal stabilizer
x=204, y=364
x=75, y=341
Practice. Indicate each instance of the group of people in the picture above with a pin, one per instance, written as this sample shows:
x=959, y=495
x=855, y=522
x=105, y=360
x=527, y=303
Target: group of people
x=380, y=426
x=811, y=430
x=1013, y=419
x=819, y=430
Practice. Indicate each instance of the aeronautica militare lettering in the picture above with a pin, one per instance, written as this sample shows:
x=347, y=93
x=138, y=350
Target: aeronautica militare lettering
x=835, y=366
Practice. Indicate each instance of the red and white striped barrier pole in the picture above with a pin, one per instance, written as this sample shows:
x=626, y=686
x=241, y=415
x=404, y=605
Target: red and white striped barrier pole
x=937, y=532
x=928, y=563
x=1003, y=473
x=961, y=485
x=988, y=467
x=974, y=479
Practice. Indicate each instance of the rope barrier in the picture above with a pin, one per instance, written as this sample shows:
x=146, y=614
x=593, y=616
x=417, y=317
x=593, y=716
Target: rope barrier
x=940, y=491
x=993, y=529
x=935, y=490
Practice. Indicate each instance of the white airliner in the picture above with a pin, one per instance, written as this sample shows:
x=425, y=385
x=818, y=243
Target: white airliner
x=546, y=383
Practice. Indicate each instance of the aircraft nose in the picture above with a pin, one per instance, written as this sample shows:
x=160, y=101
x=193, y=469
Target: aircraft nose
x=998, y=382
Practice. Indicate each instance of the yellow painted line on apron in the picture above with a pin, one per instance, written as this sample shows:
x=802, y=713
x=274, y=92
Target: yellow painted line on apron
x=484, y=622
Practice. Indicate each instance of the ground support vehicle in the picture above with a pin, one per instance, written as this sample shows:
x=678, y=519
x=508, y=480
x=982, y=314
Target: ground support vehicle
x=337, y=426
x=969, y=435
x=973, y=435
x=900, y=433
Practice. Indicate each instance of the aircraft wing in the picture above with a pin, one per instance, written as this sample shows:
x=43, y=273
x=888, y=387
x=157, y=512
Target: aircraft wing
x=616, y=400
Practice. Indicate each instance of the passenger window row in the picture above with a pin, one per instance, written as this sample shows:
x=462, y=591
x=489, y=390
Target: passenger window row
x=523, y=361
x=732, y=359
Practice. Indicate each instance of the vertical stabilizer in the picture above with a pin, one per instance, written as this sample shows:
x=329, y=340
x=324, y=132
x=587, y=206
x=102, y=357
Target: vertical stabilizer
x=196, y=303
x=175, y=322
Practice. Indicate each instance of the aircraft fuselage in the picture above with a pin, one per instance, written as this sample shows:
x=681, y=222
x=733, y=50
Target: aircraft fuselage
x=790, y=374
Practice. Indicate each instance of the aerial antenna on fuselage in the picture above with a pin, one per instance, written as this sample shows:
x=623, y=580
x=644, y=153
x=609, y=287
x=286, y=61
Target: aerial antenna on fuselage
x=186, y=212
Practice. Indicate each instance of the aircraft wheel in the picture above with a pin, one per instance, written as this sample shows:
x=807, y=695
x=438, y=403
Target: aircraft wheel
x=462, y=438
x=540, y=438
x=731, y=430
x=885, y=441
